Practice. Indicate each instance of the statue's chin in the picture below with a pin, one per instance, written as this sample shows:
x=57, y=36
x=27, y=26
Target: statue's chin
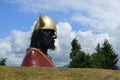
x=52, y=47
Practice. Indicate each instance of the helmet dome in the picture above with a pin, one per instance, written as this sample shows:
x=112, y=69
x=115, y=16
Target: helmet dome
x=45, y=22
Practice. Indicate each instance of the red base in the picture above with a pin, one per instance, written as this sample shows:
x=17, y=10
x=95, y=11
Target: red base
x=36, y=58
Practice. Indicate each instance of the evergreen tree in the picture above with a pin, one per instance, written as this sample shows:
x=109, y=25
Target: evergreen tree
x=97, y=58
x=76, y=47
x=3, y=61
x=111, y=58
x=104, y=57
x=79, y=59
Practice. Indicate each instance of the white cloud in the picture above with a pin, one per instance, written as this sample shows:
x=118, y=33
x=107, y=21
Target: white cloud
x=5, y=47
x=14, y=47
x=89, y=40
x=101, y=15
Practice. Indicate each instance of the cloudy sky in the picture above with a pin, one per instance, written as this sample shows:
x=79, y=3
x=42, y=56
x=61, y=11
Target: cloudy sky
x=91, y=21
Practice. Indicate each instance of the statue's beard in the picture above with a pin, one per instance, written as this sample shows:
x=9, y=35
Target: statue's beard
x=52, y=47
x=48, y=43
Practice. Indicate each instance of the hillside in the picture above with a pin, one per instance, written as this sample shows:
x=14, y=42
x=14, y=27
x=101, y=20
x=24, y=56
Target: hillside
x=25, y=73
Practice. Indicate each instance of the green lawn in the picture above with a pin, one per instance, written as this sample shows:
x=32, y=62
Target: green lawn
x=29, y=73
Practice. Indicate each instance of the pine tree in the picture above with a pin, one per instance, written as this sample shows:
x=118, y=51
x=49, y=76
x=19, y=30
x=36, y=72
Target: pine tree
x=76, y=47
x=97, y=58
x=111, y=58
x=79, y=59
x=104, y=57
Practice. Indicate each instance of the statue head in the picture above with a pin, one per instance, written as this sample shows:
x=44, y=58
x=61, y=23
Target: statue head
x=44, y=34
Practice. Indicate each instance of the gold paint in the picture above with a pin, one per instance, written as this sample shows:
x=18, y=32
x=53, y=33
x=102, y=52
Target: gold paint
x=45, y=22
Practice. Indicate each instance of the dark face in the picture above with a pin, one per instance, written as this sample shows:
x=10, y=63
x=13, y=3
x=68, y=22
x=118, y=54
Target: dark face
x=47, y=39
x=43, y=40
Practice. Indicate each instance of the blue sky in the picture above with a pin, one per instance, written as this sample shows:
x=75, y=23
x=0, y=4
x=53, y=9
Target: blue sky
x=13, y=17
x=91, y=21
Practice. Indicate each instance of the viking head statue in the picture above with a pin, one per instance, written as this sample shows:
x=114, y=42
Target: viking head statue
x=44, y=34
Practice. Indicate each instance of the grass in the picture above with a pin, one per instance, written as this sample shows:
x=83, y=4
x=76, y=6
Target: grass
x=29, y=73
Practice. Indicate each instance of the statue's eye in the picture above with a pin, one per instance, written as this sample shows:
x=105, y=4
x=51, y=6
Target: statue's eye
x=52, y=34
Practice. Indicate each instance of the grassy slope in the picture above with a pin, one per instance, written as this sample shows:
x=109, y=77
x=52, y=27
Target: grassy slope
x=25, y=73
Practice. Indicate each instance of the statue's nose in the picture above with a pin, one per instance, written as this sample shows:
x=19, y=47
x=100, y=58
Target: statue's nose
x=54, y=36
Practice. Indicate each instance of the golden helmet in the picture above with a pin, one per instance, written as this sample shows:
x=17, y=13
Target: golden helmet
x=45, y=22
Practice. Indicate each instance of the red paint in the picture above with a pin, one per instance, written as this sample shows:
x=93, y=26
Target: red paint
x=36, y=58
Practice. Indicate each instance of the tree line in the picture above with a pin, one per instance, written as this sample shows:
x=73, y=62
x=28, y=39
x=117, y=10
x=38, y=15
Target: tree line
x=104, y=56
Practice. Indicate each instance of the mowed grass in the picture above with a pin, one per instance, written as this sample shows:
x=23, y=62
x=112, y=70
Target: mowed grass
x=29, y=73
